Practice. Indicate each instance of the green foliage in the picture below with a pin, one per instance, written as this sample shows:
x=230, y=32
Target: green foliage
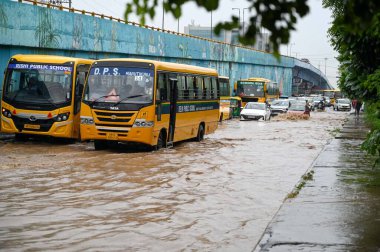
x=277, y=16
x=355, y=34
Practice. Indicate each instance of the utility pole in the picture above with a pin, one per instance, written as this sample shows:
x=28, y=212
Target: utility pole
x=211, y=25
x=163, y=15
x=325, y=65
x=243, y=20
x=239, y=17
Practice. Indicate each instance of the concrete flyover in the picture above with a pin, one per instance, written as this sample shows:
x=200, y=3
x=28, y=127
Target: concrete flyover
x=30, y=27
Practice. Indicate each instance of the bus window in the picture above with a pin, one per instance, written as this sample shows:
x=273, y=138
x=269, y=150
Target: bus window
x=214, y=88
x=207, y=88
x=190, y=81
x=162, y=88
x=181, y=83
x=199, y=87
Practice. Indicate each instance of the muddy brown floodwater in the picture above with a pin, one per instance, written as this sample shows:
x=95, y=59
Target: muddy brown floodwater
x=217, y=195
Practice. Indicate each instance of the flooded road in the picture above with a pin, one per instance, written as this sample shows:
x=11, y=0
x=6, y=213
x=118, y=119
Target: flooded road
x=217, y=195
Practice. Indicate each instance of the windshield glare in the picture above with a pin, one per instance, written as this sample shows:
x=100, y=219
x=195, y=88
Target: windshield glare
x=113, y=84
x=280, y=103
x=346, y=101
x=259, y=106
x=38, y=83
x=251, y=89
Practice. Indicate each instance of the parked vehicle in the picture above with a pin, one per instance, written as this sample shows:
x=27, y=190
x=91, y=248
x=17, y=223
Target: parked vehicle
x=342, y=104
x=279, y=107
x=255, y=111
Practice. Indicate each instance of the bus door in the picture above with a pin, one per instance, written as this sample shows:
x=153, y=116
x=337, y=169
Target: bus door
x=173, y=108
x=80, y=77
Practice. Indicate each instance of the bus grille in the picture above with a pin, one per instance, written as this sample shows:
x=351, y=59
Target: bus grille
x=45, y=124
x=112, y=121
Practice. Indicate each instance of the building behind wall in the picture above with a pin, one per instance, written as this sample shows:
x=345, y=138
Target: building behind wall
x=230, y=37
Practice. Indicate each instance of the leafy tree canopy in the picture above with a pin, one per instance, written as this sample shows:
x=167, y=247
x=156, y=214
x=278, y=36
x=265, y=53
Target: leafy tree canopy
x=277, y=16
x=355, y=34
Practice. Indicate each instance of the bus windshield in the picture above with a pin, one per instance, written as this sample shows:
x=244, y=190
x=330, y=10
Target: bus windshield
x=38, y=83
x=249, y=88
x=120, y=84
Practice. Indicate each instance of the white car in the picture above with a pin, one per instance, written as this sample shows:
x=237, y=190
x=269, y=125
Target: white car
x=255, y=111
x=342, y=104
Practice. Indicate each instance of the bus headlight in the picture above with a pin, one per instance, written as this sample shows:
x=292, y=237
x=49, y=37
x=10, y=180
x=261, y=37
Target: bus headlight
x=142, y=123
x=6, y=113
x=62, y=117
x=87, y=120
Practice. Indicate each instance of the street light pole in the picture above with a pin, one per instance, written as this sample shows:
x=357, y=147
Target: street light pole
x=325, y=65
x=243, y=20
x=163, y=15
x=290, y=51
x=239, y=16
x=211, y=25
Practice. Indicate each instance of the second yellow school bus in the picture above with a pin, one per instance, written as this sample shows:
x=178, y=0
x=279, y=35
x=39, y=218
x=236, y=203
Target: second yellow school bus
x=42, y=95
x=148, y=102
x=257, y=90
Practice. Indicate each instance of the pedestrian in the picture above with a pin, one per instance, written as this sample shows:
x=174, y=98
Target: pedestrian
x=358, y=105
x=307, y=108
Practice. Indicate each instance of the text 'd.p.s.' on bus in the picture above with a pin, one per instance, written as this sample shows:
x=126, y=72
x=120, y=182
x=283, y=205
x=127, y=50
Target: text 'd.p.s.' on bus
x=256, y=90
x=42, y=94
x=148, y=102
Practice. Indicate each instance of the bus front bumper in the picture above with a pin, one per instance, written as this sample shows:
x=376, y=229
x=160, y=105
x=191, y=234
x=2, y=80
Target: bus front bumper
x=58, y=129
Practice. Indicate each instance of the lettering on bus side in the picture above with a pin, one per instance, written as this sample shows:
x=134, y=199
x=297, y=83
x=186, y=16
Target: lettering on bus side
x=196, y=107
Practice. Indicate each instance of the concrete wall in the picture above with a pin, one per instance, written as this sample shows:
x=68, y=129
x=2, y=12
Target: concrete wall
x=29, y=29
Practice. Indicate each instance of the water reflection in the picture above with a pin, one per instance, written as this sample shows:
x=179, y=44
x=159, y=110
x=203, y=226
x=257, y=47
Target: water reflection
x=215, y=195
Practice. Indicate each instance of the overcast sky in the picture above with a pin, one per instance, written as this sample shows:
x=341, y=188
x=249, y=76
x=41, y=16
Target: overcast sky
x=308, y=41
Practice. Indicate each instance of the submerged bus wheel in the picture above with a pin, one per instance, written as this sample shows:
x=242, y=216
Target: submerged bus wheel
x=161, y=142
x=100, y=145
x=201, y=133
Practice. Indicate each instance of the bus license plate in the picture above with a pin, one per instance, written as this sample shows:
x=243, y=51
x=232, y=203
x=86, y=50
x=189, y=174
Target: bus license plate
x=32, y=126
x=111, y=136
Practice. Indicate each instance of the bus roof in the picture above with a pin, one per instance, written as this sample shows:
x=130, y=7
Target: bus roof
x=37, y=58
x=258, y=79
x=168, y=66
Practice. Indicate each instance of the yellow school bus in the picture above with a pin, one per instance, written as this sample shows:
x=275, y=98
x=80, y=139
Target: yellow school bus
x=42, y=94
x=225, y=111
x=333, y=94
x=256, y=90
x=148, y=102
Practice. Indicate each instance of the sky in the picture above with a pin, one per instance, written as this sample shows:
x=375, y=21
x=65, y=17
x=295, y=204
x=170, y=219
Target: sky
x=308, y=41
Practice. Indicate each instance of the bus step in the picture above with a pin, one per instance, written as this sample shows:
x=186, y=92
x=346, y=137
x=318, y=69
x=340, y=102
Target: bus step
x=169, y=145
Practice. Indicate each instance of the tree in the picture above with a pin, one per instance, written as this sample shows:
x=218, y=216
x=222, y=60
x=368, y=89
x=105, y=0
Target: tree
x=355, y=34
x=277, y=16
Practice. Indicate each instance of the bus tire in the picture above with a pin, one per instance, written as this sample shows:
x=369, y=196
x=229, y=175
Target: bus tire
x=100, y=145
x=201, y=133
x=161, y=141
x=21, y=137
x=221, y=117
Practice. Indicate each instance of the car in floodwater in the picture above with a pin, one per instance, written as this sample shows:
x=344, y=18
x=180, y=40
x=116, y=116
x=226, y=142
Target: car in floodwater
x=279, y=107
x=297, y=107
x=342, y=104
x=255, y=111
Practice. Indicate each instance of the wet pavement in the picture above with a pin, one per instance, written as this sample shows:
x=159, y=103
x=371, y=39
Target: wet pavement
x=217, y=195
x=338, y=207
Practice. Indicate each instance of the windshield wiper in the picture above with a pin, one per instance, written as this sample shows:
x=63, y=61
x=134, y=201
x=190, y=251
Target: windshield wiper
x=126, y=98
x=103, y=96
x=16, y=94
